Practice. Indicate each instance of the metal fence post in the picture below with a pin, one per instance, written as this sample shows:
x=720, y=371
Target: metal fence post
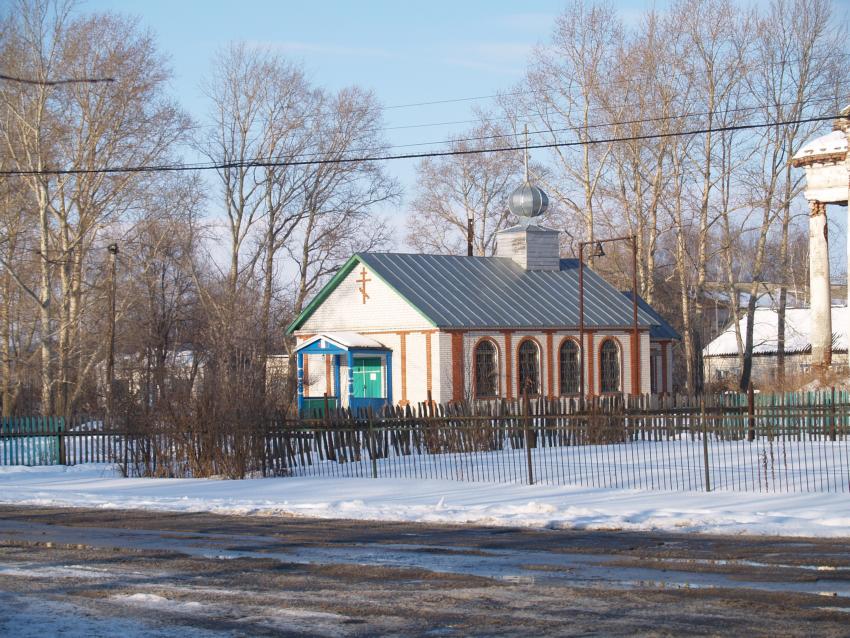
x=60, y=427
x=704, y=444
x=372, y=445
x=527, y=433
x=751, y=413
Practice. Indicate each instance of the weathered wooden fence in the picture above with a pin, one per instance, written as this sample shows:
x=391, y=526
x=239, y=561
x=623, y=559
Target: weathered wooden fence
x=783, y=443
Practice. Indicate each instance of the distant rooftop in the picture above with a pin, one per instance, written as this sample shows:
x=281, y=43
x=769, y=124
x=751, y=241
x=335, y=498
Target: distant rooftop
x=765, y=332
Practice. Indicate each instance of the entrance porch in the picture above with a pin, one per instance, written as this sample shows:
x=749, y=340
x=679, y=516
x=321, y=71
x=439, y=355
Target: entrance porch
x=368, y=373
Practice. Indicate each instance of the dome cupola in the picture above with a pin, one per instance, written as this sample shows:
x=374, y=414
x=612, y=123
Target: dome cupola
x=528, y=200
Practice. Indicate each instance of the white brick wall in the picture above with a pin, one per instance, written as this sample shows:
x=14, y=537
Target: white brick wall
x=444, y=370
x=385, y=314
x=645, y=380
x=344, y=308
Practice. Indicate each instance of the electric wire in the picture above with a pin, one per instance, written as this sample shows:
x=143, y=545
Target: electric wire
x=394, y=157
x=11, y=78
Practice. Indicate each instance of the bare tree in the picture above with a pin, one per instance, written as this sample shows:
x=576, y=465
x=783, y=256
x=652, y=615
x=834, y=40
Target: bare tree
x=339, y=198
x=795, y=68
x=457, y=190
x=562, y=100
x=83, y=127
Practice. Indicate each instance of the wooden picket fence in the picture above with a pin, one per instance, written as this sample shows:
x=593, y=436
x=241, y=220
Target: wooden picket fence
x=796, y=442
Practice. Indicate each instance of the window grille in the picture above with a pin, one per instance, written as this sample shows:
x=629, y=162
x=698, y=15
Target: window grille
x=529, y=368
x=653, y=371
x=610, y=367
x=569, y=367
x=486, y=370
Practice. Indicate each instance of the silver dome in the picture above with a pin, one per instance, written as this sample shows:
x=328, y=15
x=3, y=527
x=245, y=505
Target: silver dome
x=528, y=201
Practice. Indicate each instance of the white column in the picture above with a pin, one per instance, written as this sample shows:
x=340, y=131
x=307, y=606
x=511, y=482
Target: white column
x=819, y=292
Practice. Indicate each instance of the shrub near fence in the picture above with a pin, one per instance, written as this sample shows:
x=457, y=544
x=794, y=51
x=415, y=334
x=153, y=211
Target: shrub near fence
x=778, y=443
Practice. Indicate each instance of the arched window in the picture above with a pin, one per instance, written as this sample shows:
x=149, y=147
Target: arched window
x=529, y=367
x=486, y=369
x=609, y=366
x=569, y=367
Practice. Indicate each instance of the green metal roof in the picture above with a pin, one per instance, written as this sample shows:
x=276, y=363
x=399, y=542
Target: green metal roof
x=491, y=292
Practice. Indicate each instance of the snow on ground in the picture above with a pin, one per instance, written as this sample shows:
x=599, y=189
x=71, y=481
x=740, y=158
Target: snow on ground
x=437, y=501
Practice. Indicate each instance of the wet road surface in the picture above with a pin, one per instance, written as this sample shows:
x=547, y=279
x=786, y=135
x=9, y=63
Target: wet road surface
x=106, y=572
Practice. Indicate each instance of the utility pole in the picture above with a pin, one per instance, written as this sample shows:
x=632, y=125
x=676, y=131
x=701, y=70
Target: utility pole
x=635, y=337
x=110, y=363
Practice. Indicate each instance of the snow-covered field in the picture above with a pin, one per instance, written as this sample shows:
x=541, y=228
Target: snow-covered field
x=678, y=463
x=804, y=463
x=437, y=501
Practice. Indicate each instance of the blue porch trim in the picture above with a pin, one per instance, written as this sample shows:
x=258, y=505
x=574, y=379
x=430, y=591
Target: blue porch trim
x=330, y=348
x=300, y=382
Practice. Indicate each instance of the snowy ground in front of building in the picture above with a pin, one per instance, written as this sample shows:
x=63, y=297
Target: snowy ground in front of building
x=437, y=501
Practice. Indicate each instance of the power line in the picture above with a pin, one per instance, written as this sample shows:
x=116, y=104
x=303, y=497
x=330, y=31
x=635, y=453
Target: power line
x=552, y=131
x=528, y=115
x=387, y=157
x=10, y=78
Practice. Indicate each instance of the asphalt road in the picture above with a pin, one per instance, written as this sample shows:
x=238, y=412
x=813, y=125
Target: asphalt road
x=130, y=573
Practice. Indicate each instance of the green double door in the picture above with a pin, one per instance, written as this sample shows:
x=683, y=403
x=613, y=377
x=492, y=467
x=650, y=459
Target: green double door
x=368, y=378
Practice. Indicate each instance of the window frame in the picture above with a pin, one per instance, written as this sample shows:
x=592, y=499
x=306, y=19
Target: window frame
x=619, y=360
x=496, y=368
x=519, y=366
x=575, y=343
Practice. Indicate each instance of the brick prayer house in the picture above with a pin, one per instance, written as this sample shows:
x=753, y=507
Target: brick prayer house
x=393, y=328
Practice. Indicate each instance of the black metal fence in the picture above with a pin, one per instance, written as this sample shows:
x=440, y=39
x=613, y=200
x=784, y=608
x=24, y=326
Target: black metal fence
x=775, y=443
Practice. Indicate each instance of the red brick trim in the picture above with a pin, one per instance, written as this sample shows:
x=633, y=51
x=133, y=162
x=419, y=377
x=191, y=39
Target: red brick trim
x=509, y=384
x=550, y=356
x=590, y=382
x=664, y=346
x=403, y=347
x=457, y=365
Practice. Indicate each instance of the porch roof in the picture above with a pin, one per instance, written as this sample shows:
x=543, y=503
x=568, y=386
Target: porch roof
x=329, y=342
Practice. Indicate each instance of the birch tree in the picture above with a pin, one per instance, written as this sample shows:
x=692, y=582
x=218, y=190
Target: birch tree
x=795, y=69
x=561, y=98
x=453, y=191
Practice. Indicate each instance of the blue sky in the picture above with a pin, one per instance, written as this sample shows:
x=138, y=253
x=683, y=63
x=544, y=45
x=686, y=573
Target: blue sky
x=406, y=51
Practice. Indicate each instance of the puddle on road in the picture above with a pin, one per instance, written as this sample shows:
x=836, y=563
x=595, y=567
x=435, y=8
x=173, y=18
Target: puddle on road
x=603, y=571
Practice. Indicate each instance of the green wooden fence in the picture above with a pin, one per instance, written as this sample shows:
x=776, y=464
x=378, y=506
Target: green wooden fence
x=32, y=440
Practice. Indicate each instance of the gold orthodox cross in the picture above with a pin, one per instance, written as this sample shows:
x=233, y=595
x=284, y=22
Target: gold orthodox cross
x=362, y=281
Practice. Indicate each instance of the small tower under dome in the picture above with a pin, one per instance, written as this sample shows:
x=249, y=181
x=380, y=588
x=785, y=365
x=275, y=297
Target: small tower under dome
x=532, y=246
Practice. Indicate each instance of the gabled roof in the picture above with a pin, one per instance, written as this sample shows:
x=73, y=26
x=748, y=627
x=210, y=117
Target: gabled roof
x=765, y=332
x=453, y=291
x=662, y=329
x=345, y=340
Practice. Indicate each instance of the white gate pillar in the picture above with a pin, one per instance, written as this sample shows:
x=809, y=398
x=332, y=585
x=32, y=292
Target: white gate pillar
x=827, y=165
x=819, y=291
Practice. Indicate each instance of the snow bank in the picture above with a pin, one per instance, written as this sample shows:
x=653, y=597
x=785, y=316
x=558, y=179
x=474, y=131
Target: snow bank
x=437, y=501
